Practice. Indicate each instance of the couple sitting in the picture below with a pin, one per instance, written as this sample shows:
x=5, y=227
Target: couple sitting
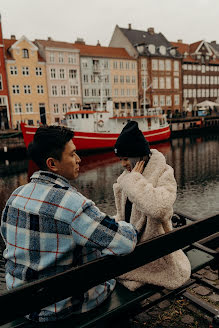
x=48, y=226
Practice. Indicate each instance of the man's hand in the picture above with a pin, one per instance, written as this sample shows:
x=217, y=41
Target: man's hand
x=139, y=167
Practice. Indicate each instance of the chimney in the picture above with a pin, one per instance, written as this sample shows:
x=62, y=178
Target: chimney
x=180, y=41
x=151, y=30
x=80, y=41
x=13, y=37
x=49, y=38
x=98, y=43
x=130, y=26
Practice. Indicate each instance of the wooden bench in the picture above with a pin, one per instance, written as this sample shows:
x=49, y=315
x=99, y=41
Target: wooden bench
x=36, y=295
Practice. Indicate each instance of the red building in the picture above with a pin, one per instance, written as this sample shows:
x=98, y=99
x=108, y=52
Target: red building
x=5, y=114
x=200, y=73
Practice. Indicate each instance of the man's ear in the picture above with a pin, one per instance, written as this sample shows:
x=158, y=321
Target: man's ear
x=52, y=164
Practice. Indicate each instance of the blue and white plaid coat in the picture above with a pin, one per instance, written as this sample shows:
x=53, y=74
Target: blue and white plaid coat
x=48, y=227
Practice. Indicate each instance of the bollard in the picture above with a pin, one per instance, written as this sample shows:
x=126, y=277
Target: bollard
x=5, y=149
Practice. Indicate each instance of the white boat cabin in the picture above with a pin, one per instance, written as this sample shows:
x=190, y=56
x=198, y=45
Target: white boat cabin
x=105, y=122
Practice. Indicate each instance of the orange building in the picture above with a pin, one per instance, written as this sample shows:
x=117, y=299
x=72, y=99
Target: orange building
x=27, y=82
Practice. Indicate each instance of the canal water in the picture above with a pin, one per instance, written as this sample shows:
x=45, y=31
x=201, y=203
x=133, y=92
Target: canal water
x=195, y=161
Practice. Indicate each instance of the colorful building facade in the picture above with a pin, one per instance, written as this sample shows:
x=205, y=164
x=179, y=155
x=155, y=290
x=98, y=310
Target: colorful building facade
x=108, y=73
x=63, y=77
x=5, y=113
x=200, y=73
x=159, y=67
x=26, y=72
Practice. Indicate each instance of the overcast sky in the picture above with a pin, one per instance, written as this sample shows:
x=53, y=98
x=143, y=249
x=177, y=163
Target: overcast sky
x=66, y=20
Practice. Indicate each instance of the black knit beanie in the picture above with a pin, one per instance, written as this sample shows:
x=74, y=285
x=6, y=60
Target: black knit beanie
x=131, y=142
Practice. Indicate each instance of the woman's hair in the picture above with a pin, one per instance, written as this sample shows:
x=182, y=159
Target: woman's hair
x=49, y=141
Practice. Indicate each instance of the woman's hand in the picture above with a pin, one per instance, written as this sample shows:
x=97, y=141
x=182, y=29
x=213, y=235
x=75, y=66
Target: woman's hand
x=139, y=167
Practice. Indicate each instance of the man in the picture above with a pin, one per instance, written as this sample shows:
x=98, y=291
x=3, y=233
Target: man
x=48, y=226
x=144, y=195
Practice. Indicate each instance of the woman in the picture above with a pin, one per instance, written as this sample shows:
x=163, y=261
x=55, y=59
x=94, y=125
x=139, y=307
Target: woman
x=144, y=195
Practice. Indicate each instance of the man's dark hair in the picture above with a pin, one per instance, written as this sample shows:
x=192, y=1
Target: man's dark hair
x=49, y=141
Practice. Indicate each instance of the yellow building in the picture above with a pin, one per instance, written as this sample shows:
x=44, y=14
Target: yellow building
x=27, y=83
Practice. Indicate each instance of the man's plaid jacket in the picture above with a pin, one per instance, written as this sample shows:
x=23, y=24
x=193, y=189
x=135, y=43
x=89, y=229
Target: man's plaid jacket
x=48, y=227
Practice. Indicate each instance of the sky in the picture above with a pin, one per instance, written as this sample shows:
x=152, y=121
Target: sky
x=93, y=20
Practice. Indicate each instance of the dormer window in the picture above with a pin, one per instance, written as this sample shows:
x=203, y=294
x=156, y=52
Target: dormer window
x=162, y=50
x=173, y=51
x=25, y=53
x=151, y=48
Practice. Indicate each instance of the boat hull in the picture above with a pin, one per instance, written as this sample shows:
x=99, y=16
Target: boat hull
x=95, y=141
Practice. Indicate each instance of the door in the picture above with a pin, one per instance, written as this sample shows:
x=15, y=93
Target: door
x=42, y=113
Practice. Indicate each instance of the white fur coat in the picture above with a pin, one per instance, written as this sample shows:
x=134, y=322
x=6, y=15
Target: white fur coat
x=152, y=194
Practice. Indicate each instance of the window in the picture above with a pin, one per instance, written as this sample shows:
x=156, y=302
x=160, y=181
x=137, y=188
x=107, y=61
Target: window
x=84, y=63
x=25, y=53
x=29, y=107
x=121, y=79
x=121, y=65
x=154, y=64
x=64, y=108
x=1, y=84
x=176, y=66
x=94, y=92
x=189, y=79
x=185, y=93
x=61, y=73
x=40, y=89
x=207, y=93
x=115, y=79
x=155, y=101
x=74, y=90
x=203, y=79
x=168, y=101
x=38, y=71
x=116, y=92
x=127, y=79
x=17, y=108
x=194, y=93
x=199, y=79
x=115, y=64
x=194, y=79
x=190, y=93
x=51, y=57
x=185, y=79
x=13, y=70
x=155, y=83
x=203, y=68
x=61, y=58
x=127, y=65
x=15, y=89
x=54, y=90
x=52, y=73
x=134, y=92
x=144, y=63
x=56, y=108
x=161, y=65
x=176, y=100
x=176, y=83
x=85, y=78
x=168, y=82
x=199, y=93
x=203, y=92
x=72, y=59
x=162, y=100
x=133, y=65
x=27, y=89
x=86, y=92
x=207, y=79
x=63, y=90
x=25, y=70
x=122, y=92
x=168, y=65
x=133, y=79
x=161, y=83
x=73, y=74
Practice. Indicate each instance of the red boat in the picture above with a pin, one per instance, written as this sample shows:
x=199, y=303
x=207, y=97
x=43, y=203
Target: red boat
x=95, y=130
